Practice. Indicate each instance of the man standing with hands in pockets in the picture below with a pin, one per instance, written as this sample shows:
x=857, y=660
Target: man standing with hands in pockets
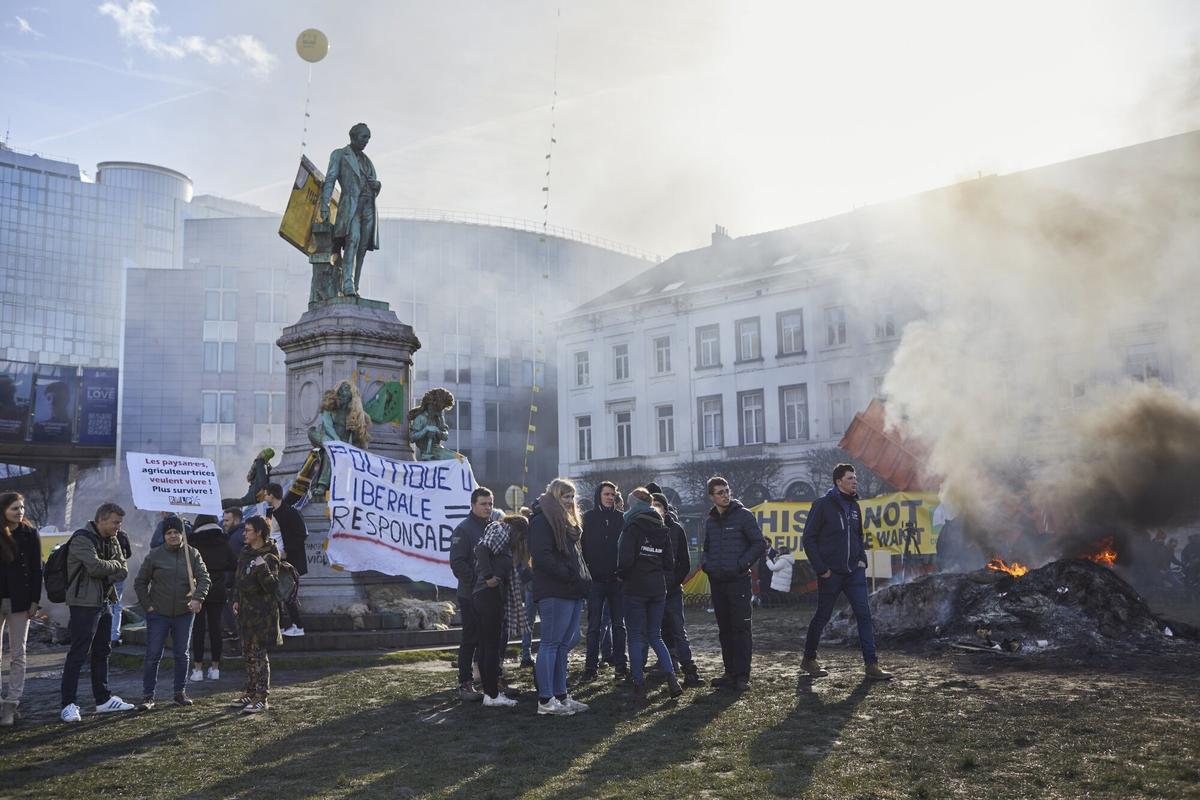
x=833, y=542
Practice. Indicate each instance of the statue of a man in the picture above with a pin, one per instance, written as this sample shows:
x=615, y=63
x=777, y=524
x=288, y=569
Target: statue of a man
x=341, y=418
x=427, y=427
x=355, y=230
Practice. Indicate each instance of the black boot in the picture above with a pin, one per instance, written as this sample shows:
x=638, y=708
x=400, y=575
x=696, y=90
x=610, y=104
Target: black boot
x=691, y=677
x=673, y=685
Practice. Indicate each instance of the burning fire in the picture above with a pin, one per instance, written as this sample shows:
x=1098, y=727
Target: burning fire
x=1016, y=568
x=1107, y=553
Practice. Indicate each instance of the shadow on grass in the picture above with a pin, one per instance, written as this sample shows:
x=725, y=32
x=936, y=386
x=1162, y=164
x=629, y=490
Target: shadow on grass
x=794, y=748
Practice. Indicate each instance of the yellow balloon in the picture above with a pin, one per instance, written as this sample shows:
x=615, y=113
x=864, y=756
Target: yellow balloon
x=312, y=45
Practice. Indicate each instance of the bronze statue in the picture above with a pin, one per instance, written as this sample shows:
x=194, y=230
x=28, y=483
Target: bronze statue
x=341, y=418
x=258, y=477
x=355, y=230
x=427, y=427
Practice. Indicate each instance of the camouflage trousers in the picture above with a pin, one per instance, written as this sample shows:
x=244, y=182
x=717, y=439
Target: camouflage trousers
x=258, y=671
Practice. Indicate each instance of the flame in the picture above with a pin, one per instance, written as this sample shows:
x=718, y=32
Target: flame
x=1107, y=554
x=1016, y=568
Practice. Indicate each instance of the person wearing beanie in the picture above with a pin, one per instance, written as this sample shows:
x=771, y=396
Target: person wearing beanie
x=171, y=586
x=211, y=540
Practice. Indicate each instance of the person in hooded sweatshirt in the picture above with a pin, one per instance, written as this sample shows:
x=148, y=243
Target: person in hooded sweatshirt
x=674, y=627
x=833, y=542
x=601, y=530
x=213, y=543
x=165, y=589
x=256, y=604
x=646, y=564
x=561, y=581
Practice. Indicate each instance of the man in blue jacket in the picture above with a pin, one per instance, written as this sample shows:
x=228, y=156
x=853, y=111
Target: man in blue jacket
x=732, y=542
x=833, y=542
x=462, y=563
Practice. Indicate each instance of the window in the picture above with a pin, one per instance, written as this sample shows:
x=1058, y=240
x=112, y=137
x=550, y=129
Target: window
x=711, y=425
x=620, y=362
x=835, y=326
x=218, y=407
x=662, y=355
x=839, y=407
x=879, y=387
x=268, y=358
x=220, y=356
x=268, y=408
x=532, y=372
x=885, y=324
x=749, y=337
x=458, y=368
x=498, y=371
x=1141, y=363
x=708, y=346
x=790, y=325
x=228, y=356
x=491, y=416
x=665, y=417
x=624, y=420
x=583, y=373
x=793, y=402
x=583, y=437
x=752, y=420
x=460, y=416
x=220, y=293
x=270, y=306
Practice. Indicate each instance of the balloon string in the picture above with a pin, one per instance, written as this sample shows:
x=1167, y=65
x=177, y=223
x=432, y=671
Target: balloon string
x=307, y=95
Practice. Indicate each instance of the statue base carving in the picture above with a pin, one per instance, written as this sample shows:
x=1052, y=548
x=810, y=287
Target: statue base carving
x=356, y=340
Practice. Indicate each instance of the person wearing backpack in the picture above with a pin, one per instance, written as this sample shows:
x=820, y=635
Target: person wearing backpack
x=20, y=590
x=256, y=603
x=94, y=563
x=292, y=533
x=213, y=543
x=171, y=586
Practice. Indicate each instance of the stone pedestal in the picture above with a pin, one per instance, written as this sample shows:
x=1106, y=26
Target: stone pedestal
x=344, y=338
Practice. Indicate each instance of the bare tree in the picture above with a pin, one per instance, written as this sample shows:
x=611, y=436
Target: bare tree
x=626, y=478
x=821, y=461
x=742, y=474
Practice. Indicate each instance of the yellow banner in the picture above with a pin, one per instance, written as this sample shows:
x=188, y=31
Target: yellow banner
x=885, y=519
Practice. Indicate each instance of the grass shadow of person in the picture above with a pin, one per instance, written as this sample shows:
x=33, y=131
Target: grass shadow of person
x=793, y=749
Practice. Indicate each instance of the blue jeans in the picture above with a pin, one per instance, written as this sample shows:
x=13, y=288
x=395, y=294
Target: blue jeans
x=530, y=616
x=605, y=593
x=560, y=632
x=674, y=629
x=116, y=610
x=644, y=615
x=854, y=586
x=157, y=628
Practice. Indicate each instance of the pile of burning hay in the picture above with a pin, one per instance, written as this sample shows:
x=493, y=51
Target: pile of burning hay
x=1072, y=604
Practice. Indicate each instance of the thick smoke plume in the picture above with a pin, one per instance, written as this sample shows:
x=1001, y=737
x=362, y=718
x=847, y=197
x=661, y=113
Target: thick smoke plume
x=1058, y=309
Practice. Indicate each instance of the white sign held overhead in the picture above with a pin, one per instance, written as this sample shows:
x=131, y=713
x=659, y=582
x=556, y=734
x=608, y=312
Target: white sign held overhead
x=177, y=484
x=395, y=517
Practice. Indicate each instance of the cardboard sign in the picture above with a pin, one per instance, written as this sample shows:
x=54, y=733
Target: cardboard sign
x=176, y=484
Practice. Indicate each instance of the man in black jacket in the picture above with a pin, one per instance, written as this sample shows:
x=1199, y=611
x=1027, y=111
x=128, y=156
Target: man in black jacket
x=462, y=563
x=833, y=542
x=294, y=533
x=601, y=530
x=732, y=542
x=674, y=628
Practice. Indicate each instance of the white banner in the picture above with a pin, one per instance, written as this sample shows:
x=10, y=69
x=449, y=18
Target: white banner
x=173, y=483
x=395, y=517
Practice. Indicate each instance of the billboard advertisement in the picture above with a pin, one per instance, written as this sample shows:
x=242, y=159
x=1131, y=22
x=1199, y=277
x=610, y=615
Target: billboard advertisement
x=16, y=392
x=98, y=407
x=55, y=394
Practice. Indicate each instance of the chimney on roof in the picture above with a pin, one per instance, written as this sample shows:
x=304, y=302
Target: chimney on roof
x=720, y=235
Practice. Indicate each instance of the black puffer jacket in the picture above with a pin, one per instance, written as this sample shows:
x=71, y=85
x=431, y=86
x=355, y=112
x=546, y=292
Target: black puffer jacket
x=213, y=543
x=646, y=561
x=555, y=574
x=462, y=552
x=732, y=542
x=21, y=578
x=601, y=529
x=683, y=557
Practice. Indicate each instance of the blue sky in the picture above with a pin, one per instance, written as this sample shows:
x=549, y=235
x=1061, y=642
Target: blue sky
x=672, y=115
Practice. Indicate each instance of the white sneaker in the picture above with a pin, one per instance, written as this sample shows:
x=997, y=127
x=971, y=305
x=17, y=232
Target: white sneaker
x=554, y=707
x=114, y=704
x=70, y=713
x=499, y=701
x=294, y=631
x=574, y=705
x=214, y=674
x=197, y=675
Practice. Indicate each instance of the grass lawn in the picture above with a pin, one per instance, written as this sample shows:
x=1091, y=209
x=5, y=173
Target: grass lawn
x=970, y=726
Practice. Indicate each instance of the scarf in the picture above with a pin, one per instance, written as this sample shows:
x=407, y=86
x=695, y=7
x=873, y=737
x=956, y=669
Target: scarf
x=566, y=535
x=495, y=539
x=639, y=507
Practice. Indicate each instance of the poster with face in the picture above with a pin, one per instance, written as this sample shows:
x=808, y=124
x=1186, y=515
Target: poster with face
x=16, y=390
x=54, y=398
x=98, y=407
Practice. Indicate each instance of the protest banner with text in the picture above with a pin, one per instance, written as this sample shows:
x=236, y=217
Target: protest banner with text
x=395, y=517
x=177, y=484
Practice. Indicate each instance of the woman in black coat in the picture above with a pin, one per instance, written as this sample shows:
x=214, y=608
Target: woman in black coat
x=20, y=591
x=210, y=539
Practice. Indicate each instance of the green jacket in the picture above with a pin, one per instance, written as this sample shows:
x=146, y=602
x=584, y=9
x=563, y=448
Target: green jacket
x=254, y=591
x=162, y=581
x=94, y=565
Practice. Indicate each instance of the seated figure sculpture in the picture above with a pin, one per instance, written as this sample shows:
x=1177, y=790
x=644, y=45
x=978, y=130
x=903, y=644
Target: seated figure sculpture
x=427, y=427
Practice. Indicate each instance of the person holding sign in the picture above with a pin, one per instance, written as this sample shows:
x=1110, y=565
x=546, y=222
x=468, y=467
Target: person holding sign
x=500, y=555
x=171, y=586
x=560, y=583
x=257, y=607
